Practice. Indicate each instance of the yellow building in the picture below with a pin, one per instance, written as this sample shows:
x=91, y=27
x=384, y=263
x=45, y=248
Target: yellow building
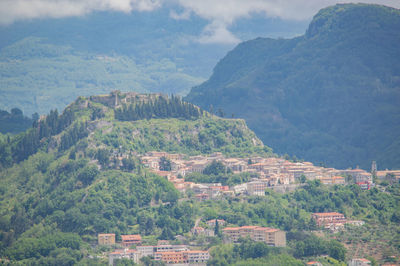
x=270, y=236
x=106, y=239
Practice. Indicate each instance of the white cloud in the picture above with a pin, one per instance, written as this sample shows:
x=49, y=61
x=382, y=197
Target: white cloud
x=220, y=13
x=185, y=15
x=216, y=32
x=14, y=10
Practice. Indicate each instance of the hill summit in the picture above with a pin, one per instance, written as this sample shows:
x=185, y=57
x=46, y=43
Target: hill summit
x=330, y=96
x=131, y=122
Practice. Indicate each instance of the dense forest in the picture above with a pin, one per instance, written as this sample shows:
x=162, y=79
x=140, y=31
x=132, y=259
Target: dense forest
x=161, y=107
x=330, y=96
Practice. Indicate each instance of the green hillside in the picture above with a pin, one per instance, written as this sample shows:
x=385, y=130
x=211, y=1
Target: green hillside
x=330, y=96
x=62, y=183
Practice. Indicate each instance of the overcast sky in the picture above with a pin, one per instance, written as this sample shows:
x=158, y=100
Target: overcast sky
x=220, y=13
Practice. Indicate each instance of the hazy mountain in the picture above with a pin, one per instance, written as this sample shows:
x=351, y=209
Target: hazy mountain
x=47, y=63
x=330, y=96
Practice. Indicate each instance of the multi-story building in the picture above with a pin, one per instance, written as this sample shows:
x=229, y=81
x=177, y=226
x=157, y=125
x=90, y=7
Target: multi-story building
x=183, y=257
x=359, y=262
x=334, y=180
x=383, y=174
x=212, y=222
x=168, y=247
x=270, y=236
x=151, y=250
x=197, y=256
x=256, y=188
x=129, y=240
x=231, y=234
x=171, y=257
x=106, y=239
x=145, y=251
x=123, y=254
x=327, y=219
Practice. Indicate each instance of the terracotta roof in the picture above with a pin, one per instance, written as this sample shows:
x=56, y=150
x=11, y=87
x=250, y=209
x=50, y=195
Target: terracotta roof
x=231, y=228
x=249, y=227
x=130, y=237
x=327, y=213
x=195, y=251
x=169, y=252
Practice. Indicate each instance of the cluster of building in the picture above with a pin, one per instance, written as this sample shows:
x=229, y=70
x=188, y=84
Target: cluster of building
x=210, y=229
x=271, y=172
x=127, y=240
x=163, y=251
x=333, y=220
x=271, y=236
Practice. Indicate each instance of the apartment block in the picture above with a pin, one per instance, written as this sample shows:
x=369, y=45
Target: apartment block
x=123, y=254
x=256, y=188
x=270, y=236
x=183, y=257
x=129, y=240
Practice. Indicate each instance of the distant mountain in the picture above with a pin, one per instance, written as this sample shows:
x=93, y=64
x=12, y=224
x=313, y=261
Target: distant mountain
x=331, y=96
x=47, y=63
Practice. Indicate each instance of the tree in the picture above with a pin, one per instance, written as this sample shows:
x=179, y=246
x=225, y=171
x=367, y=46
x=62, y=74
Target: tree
x=16, y=112
x=124, y=262
x=88, y=174
x=165, y=164
x=103, y=156
x=215, y=168
x=336, y=250
x=217, y=231
x=128, y=164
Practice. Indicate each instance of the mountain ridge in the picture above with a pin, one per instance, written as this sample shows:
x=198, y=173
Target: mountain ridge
x=317, y=96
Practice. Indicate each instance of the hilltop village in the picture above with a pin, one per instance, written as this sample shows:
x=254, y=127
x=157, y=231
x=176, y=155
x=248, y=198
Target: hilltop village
x=276, y=173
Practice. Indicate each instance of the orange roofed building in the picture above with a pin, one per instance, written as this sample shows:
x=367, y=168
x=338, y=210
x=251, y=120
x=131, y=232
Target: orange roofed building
x=129, y=240
x=270, y=236
x=183, y=257
x=328, y=218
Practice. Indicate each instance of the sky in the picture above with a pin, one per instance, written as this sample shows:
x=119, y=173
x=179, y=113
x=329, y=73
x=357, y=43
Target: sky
x=220, y=14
